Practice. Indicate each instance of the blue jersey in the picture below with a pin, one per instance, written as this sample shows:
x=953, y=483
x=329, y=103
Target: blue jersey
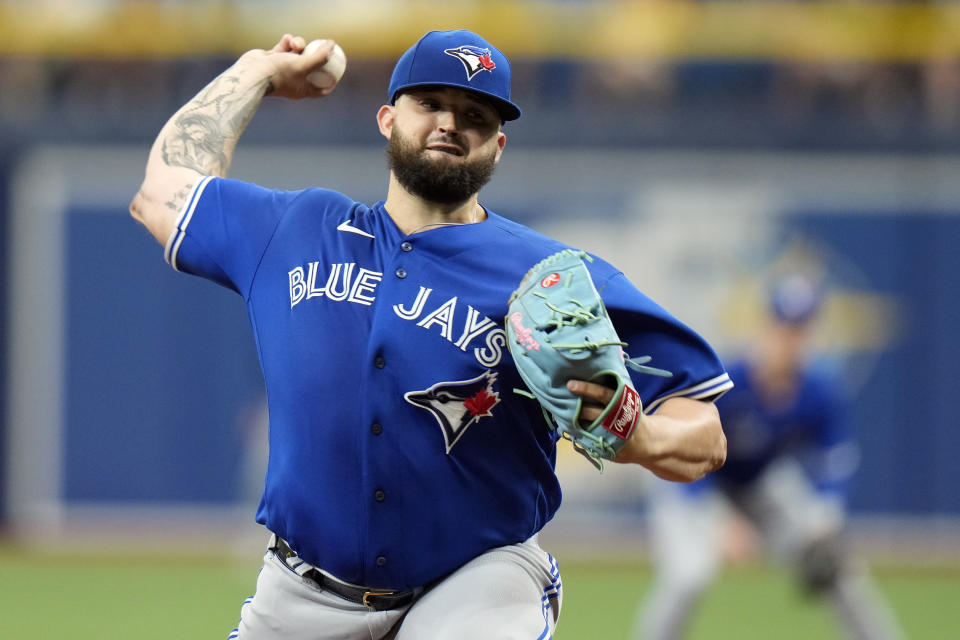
x=398, y=449
x=809, y=426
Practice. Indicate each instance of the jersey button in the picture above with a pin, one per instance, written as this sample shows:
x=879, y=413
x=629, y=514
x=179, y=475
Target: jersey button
x=381, y=561
x=376, y=428
x=379, y=495
x=401, y=272
x=406, y=246
x=379, y=362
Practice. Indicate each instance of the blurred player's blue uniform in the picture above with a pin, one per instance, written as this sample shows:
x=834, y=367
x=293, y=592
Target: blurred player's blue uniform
x=791, y=454
x=808, y=424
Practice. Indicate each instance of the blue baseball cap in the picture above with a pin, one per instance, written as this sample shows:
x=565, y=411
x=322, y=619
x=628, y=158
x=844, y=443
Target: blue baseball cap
x=795, y=299
x=460, y=59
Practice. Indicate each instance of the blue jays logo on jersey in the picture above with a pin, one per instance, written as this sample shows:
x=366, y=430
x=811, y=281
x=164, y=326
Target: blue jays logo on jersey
x=457, y=405
x=474, y=59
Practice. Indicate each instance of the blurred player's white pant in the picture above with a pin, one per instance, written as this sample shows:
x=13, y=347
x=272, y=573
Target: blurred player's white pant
x=686, y=551
x=508, y=592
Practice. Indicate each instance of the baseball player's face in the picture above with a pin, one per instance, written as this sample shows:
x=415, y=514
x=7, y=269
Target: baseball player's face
x=450, y=125
x=443, y=144
x=784, y=345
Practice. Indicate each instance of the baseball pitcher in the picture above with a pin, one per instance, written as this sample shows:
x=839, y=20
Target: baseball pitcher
x=407, y=480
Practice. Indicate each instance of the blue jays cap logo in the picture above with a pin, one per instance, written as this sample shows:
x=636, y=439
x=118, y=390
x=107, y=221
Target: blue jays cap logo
x=457, y=405
x=474, y=59
x=487, y=70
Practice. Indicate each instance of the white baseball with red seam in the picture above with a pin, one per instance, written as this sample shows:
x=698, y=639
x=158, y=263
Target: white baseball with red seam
x=327, y=76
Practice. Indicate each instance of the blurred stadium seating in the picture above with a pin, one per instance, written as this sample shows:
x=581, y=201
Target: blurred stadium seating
x=863, y=75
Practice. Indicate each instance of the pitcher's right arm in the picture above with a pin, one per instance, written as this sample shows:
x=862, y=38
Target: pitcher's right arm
x=201, y=136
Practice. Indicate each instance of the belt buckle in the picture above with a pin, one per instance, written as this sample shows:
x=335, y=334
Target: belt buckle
x=373, y=593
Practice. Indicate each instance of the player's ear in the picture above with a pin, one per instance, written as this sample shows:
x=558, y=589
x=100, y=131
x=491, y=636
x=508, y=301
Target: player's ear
x=385, y=120
x=501, y=143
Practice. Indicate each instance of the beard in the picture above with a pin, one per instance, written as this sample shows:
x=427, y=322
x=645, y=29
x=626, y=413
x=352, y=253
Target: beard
x=437, y=180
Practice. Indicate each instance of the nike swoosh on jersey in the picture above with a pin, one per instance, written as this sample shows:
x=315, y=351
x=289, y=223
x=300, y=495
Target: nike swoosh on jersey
x=346, y=226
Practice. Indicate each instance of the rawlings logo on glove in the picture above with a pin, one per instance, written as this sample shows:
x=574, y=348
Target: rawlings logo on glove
x=558, y=330
x=626, y=415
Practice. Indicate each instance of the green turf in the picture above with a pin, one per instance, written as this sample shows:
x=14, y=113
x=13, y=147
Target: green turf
x=143, y=598
x=95, y=598
x=755, y=603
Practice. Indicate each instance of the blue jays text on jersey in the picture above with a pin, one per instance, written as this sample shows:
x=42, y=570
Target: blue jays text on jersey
x=398, y=450
x=341, y=285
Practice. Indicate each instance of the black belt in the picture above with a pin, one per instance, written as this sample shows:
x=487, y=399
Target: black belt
x=374, y=599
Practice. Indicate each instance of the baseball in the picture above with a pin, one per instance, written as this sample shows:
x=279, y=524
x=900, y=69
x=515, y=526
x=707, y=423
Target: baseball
x=327, y=76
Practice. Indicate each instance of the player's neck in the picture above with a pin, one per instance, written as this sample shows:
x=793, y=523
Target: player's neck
x=412, y=213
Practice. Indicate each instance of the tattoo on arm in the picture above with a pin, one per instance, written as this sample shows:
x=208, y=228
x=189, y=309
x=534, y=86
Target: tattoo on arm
x=179, y=198
x=204, y=134
x=196, y=143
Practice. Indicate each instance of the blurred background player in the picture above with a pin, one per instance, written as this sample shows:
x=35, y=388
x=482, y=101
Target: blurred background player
x=791, y=455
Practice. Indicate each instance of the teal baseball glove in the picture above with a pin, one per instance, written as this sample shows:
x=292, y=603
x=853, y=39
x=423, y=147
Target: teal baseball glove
x=558, y=330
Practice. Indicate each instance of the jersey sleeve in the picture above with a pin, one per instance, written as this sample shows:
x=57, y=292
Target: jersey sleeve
x=650, y=330
x=833, y=455
x=223, y=230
